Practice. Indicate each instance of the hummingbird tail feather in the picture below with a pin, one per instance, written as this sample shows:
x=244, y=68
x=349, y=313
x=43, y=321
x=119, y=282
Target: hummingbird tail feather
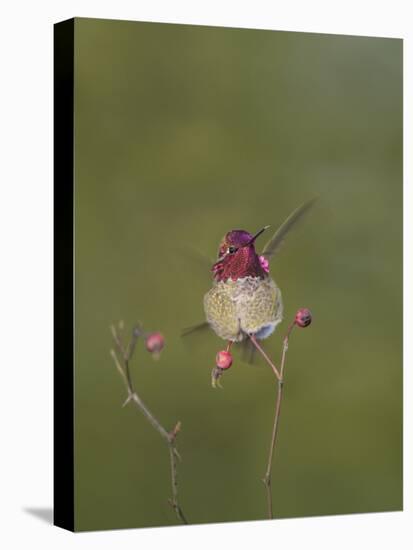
x=248, y=352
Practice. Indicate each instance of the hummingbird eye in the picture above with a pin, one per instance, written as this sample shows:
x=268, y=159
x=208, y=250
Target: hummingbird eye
x=232, y=249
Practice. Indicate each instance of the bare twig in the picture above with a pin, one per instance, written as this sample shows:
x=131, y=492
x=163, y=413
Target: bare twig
x=267, y=477
x=260, y=349
x=122, y=365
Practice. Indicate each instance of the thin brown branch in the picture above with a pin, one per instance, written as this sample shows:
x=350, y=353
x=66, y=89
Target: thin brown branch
x=268, y=473
x=261, y=350
x=117, y=340
x=123, y=367
x=174, y=481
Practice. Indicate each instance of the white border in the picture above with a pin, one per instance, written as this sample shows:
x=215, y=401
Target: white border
x=26, y=269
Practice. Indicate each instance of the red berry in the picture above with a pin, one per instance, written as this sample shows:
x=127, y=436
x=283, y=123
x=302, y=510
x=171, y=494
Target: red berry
x=154, y=343
x=303, y=317
x=224, y=359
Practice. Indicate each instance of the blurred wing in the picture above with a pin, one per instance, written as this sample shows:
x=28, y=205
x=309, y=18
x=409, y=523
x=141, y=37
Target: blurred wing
x=198, y=257
x=201, y=342
x=200, y=327
x=277, y=239
x=196, y=263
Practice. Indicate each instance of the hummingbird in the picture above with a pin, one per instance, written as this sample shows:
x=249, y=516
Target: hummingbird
x=245, y=301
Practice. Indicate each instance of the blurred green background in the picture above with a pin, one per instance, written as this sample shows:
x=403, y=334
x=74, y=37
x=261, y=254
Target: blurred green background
x=185, y=132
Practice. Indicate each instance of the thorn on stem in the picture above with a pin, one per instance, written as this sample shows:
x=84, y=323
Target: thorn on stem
x=177, y=429
x=266, y=480
x=128, y=399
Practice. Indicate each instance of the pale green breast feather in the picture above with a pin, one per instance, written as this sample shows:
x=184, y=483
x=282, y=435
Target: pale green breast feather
x=247, y=305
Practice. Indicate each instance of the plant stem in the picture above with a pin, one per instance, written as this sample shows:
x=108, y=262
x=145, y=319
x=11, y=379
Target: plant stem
x=267, y=477
x=261, y=350
x=174, y=482
x=169, y=437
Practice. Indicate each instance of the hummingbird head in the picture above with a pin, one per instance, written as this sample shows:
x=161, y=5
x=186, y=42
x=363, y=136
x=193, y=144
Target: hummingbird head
x=237, y=257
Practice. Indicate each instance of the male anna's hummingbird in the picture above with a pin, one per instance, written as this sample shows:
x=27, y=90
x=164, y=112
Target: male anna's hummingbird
x=244, y=301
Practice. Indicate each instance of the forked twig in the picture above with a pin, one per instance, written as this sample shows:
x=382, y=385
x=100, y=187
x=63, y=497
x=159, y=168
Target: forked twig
x=123, y=366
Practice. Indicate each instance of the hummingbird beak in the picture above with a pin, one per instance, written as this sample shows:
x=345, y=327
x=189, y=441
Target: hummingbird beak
x=252, y=240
